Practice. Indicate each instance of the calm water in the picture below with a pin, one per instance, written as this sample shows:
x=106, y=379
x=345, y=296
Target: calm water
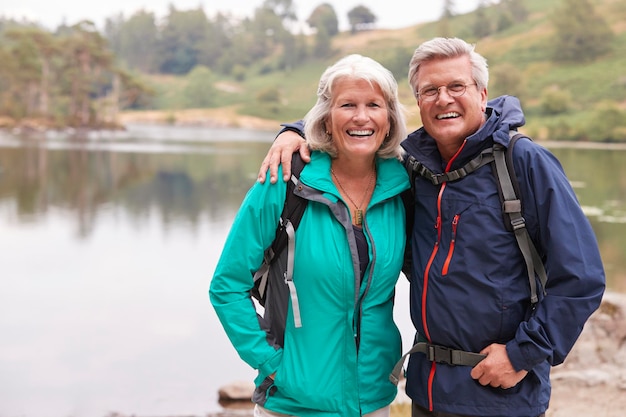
x=108, y=246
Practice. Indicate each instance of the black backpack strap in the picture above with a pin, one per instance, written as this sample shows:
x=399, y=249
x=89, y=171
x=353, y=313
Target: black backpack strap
x=285, y=231
x=512, y=209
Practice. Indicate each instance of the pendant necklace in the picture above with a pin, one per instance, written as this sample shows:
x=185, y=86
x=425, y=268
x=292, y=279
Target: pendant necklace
x=358, y=213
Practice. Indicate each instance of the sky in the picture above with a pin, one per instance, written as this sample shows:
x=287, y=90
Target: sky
x=391, y=14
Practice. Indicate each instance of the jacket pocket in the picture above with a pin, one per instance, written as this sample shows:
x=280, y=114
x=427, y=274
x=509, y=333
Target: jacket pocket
x=263, y=391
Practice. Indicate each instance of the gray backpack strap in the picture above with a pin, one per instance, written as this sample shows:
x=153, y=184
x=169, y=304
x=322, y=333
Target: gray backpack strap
x=415, y=167
x=291, y=248
x=512, y=207
x=439, y=354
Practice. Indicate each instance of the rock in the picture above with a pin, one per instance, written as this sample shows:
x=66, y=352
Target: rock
x=236, y=391
x=601, y=346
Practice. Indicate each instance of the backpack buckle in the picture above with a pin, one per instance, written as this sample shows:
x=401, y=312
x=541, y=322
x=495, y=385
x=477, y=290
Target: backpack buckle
x=519, y=223
x=440, y=354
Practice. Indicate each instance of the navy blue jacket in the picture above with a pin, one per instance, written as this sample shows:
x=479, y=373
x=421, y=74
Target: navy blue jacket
x=469, y=286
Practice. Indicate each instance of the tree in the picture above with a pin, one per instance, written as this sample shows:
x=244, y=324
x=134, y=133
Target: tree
x=199, y=91
x=284, y=9
x=361, y=18
x=515, y=8
x=482, y=24
x=88, y=62
x=68, y=78
x=138, y=42
x=555, y=101
x=322, y=47
x=182, y=38
x=608, y=123
x=507, y=79
x=443, y=25
x=323, y=17
x=448, y=9
x=35, y=49
x=219, y=41
x=581, y=34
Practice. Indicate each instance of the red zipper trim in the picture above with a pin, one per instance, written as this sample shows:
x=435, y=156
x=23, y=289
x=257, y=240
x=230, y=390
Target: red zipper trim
x=431, y=377
x=433, y=368
x=446, y=265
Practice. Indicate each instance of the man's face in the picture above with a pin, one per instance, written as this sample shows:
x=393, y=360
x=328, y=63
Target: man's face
x=448, y=119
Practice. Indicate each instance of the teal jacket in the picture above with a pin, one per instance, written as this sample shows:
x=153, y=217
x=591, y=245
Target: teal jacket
x=320, y=371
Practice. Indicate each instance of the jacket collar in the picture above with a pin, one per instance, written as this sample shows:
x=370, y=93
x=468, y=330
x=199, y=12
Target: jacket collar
x=391, y=179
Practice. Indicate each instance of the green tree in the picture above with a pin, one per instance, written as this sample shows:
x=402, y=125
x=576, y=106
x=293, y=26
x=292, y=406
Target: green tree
x=580, y=33
x=482, y=24
x=361, y=18
x=515, y=8
x=199, y=91
x=323, y=17
x=295, y=51
x=555, y=101
x=284, y=9
x=506, y=78
x=67, y=78
x=182, y=40
x=608, y=123
x=322, y=47
x=87, y=63
x=443, y=25
x=35, y=50
x=218, y=42
x=138, y=42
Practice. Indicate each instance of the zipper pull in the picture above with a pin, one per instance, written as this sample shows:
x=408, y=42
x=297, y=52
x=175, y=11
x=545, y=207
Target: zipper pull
x=455, y=223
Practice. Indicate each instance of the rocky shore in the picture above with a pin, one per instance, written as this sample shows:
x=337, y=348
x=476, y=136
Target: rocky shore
x=592, y=380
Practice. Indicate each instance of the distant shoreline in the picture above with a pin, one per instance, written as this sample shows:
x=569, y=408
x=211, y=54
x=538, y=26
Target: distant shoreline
x=227, y=117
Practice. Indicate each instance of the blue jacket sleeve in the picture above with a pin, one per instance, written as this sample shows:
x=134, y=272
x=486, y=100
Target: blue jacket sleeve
x=576, y=279
x=297, y=127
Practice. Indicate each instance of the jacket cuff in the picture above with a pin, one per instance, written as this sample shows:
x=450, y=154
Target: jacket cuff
x=516, y=357
x=271, y=365
x=297, y=127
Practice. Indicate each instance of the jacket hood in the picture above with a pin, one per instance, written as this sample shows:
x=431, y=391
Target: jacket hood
x=503, y=114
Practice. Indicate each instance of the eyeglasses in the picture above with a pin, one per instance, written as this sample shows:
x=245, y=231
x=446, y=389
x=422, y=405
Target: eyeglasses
x=454, y=89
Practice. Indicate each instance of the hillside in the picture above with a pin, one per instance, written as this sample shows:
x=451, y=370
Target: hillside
x=520, y=59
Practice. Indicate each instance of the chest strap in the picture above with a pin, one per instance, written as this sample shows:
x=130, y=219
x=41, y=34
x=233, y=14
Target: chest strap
x=416, y=167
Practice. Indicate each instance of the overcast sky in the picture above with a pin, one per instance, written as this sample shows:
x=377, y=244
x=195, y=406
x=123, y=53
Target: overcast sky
x=391, y=14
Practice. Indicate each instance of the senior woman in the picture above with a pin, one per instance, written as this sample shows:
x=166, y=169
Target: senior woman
x=348, y=255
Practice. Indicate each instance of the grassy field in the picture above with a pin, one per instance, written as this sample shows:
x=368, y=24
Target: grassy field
x=524, y=49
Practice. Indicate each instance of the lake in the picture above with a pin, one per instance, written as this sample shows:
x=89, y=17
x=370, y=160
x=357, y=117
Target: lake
x=108, y=246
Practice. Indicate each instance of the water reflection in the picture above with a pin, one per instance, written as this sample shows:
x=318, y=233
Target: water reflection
x=108, y=246
x=599, y=179
x=179, y=184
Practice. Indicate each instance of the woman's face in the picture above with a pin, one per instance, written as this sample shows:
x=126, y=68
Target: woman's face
x=359, y=118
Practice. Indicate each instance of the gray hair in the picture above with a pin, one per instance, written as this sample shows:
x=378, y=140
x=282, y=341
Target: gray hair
x=437, y=48
x=361, y=68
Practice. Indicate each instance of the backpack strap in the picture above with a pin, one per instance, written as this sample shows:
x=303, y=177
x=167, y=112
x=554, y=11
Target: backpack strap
x=285, y=238
x=511, y=205
x=512, y=209
x=415, y=167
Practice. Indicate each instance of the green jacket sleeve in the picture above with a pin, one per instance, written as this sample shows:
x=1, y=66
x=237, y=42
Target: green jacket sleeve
x=252, y=231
